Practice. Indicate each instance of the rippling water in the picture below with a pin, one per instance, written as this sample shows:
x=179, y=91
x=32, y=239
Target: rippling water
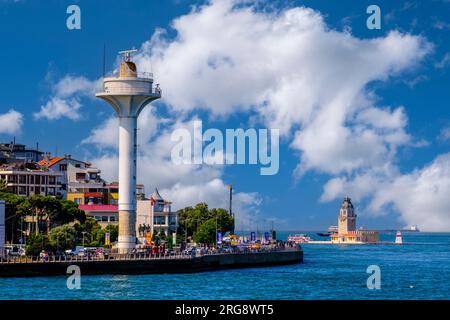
x=418, y=270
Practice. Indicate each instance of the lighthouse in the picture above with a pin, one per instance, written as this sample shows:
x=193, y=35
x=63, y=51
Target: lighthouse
x=347, y=217
x=128, y=94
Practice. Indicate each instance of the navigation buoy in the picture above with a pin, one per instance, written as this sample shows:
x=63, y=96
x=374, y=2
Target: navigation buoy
x=398, y=238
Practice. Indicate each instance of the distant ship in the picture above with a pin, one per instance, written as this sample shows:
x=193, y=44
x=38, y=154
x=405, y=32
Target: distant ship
x=324, y=234
x=298, y=238
x=411, y=229
x=333, y=229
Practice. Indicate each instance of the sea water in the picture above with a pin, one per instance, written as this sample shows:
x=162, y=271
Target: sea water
x=418, y=269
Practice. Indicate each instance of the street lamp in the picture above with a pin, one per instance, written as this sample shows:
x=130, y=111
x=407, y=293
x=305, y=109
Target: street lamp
x=84, y=232
x=216, y=229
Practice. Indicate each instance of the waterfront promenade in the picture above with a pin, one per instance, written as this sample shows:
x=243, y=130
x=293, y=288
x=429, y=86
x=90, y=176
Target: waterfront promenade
x=148, y=264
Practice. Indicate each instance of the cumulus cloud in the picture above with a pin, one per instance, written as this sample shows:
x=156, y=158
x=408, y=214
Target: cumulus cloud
x=65, y=101
x=11, y=122
x=445, y=134
x=185, y=185
x=295, y=72
x=421, y=196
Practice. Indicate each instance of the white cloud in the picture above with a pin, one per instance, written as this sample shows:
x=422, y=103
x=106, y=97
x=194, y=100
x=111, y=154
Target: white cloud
x=185, y=185
x=444, y=62
x=295, y=72
x=11, y=122
x=421, y=197
x=65, y=101
x=445, y=134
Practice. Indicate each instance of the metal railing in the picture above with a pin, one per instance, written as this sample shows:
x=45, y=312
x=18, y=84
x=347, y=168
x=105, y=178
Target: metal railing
x=127, y=90
x=141, y=75
x=137, y=256
x=76, y=259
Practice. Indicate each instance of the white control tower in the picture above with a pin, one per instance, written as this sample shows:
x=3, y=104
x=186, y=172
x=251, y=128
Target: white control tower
x=128, y=94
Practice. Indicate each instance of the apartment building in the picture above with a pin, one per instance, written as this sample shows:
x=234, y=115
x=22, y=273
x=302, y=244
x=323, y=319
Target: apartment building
x=27, y=179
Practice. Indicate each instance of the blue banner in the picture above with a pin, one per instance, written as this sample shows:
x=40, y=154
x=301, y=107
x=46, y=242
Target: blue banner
x=253, y=236
x=219, y=237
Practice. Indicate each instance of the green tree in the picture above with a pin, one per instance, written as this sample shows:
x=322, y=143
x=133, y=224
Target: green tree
x=12, y=217
x=63, y=237
x=88, y=230
x=36, y=243
x=224, y=219
x=192, y=221
x=206, y=234
x=43, y=210
x=69, y=213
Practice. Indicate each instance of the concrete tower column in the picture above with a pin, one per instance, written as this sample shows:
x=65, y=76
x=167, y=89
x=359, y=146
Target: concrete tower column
x=127, y=180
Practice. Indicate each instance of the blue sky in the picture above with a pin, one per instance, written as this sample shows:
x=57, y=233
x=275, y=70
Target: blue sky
x=400, y=173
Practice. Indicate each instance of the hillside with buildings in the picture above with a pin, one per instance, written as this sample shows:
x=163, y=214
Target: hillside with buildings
x=26, y=172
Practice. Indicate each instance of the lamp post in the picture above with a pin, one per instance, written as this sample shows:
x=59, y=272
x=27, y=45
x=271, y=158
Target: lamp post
x=216, y=229
x=230, y=188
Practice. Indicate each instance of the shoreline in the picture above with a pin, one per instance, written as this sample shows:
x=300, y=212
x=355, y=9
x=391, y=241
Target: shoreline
x=161, y=265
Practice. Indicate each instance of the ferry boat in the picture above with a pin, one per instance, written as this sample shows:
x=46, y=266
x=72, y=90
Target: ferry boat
x=411, y=229
x=333, y=229
x=324, y=234
x=298, y=238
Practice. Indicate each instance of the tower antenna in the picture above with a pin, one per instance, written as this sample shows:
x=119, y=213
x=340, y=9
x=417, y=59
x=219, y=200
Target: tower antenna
x=126, y=54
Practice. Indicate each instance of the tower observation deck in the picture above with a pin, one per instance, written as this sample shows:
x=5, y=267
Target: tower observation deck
x=128, y=94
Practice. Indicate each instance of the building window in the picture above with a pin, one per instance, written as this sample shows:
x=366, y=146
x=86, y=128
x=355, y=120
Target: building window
x=51, y=180
x=98, y=218
x=112, y=219
x=78, y=200
x=172, y=220
x=63, y=167
x=22, y=179
x=159, y=207
x=22, y=190
x=158, y=220
x=104, y=218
